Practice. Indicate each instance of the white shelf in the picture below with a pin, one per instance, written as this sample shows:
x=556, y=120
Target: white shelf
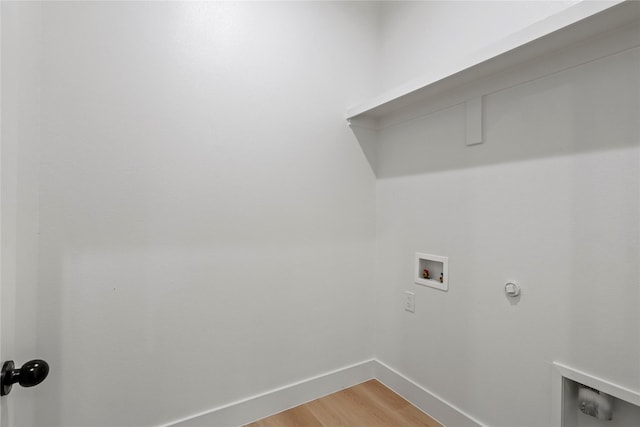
x=574, y=24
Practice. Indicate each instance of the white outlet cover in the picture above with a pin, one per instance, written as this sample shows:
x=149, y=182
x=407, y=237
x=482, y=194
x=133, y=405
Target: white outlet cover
x=410, y=301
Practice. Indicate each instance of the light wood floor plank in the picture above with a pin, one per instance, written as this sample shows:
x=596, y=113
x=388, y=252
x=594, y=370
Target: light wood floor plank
x=369, y=404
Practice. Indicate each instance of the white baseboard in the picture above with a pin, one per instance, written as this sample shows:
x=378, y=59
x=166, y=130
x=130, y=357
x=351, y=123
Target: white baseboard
x=436, y=407
x=274, y=401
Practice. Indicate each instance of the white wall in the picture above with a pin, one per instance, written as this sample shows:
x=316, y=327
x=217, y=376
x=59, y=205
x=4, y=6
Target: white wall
x=424, y=38
x=208, y=221
x=21, y=56
x=207, y=218
x=550, y=200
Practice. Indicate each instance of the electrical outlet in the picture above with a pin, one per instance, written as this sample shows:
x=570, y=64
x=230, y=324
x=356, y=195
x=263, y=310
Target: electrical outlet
x=410, y=302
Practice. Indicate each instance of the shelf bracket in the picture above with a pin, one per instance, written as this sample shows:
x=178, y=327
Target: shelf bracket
x=474, y=121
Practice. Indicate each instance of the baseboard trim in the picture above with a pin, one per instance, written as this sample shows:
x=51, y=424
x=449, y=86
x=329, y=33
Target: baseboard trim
x=280, y=399
x=430, y=403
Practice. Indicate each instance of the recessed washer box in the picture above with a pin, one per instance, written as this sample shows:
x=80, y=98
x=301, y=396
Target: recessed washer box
x=437, y=267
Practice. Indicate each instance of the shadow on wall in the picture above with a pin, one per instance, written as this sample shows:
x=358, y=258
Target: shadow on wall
x=550, y=200
x=550, y=116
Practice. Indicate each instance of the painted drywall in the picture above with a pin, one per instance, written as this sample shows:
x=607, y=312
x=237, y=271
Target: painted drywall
x=550, y=200
x=207, y=218
x=19, y=195
x=423, y=39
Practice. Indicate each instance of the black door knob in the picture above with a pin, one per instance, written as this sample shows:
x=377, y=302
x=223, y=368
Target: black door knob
x=32, y=373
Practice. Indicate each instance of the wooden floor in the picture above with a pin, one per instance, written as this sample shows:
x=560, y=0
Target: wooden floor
x=369, y=404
